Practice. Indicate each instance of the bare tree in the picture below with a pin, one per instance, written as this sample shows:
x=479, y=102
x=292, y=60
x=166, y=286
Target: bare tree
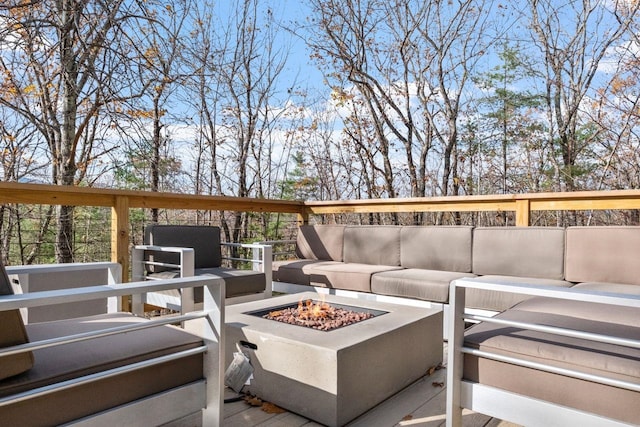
x=574, y=36
x=409, y=64
x=64, y=62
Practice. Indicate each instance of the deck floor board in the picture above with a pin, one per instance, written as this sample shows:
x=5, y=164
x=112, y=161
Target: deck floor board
x=420, y=404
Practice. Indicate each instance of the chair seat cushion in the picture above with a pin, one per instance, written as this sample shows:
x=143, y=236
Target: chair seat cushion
x=69, y=361
x=428, y=285
x=238, y=282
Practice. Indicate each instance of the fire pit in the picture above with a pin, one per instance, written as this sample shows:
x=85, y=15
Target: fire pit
x=334, y=376
x=318, y=314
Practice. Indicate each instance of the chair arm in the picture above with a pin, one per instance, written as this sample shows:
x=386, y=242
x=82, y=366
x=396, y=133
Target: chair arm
x=261, y=260
x=186, y=265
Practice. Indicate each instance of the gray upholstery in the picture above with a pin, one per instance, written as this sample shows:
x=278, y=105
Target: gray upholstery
x=69, y=361
x=578, y=354
x=376, y=245
x=536, y=252
x=436, y=248
x=428, y=285
x=237, y=282
x=204, y=239
x=12, y=332
x=321, y=242
x=605, y=254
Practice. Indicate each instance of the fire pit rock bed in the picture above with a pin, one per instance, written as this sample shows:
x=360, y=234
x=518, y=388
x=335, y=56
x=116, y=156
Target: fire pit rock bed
x=334, y=376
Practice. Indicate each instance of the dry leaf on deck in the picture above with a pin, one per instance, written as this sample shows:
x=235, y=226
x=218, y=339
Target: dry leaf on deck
x=437, y=384
x=253, y=401
x=407, y=417
x=270, y=408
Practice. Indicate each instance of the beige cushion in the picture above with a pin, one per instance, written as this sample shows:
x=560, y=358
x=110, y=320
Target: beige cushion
x=603, y=254
x=349, y=276
x=12, y=332
x=428, y=285
x=294, y=271
x=436, y=248
x=323, y=242
x=586, y=356
x=69, y=361
x=377, y=245
x=519, y=251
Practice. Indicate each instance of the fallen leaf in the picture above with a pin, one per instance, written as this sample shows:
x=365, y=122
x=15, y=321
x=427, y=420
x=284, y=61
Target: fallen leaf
x=437, y=384
x=253, y=401
x=270, y=408
x=407, y=417
x=431, y=370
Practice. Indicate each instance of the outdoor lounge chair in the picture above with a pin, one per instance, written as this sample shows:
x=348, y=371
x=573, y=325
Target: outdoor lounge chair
x=192, y=250
x=114, y=368
x=568, y=356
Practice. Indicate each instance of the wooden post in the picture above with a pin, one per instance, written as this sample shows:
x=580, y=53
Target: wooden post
x=120, y=235
x=523, y=211
x=303, y=218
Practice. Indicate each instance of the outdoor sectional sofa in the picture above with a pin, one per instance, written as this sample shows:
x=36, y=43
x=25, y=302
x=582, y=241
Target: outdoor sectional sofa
x=419, y=262
x=564, y=346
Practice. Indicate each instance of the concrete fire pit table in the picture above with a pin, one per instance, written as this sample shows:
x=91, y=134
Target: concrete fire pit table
x=334, y=376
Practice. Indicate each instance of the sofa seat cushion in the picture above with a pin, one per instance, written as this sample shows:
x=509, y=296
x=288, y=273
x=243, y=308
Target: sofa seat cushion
x=342, y=275
x=237, y=282
x=577, y=354
x=429, y=285
x=78, y=359
x=294, y=271
x=500, y=301
x=616, y=288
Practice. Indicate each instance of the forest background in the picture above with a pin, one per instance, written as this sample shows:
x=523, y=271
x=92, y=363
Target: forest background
x=310, y=100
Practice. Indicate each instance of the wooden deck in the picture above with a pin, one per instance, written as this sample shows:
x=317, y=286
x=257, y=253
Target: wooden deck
x=421, y=404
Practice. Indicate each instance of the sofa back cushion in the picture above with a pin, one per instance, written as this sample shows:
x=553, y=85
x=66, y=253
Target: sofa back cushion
x=519, y=251
x=321, y=242
x=444, y=248
x=12, y=332
x=372, y=244
x=204, y=239
x=603, y=254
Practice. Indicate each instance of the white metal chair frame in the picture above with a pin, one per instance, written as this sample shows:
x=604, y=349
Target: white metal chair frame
x=511, y=406
x=155, y=410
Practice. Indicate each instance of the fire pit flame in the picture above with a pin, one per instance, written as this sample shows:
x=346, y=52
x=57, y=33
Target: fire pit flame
x=317, y=315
